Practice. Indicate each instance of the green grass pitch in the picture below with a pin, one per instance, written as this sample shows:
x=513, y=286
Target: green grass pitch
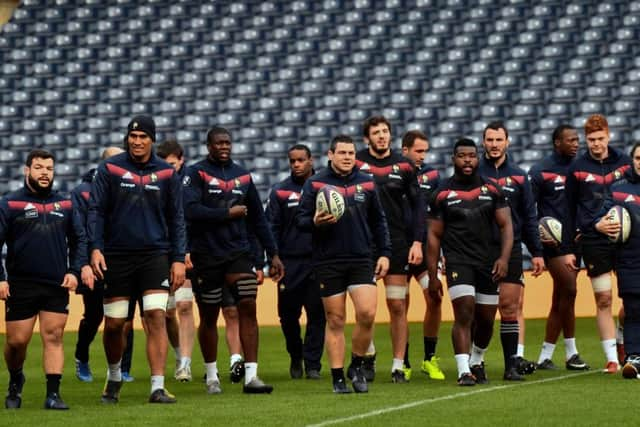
x=548, y=398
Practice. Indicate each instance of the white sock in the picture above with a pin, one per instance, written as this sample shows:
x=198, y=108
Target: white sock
x=477, y=355
x=546, y=352
x=570, y=347
x=235, y=357
x=114, y=373
x=610, y=351
x=462, y=361
x=176, y=351
x=250, y=371
x=157, y=382
x=212, y=371
x=520, y=352
x=185, y=362
x=397, y=364
x=372, y=349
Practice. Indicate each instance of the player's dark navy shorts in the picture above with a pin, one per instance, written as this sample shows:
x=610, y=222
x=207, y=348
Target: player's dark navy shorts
x=398, y=263
x=515, y=274
x=132, y=274
x=335, y=278
x=598, y=253
x=211, y=273
x=470, y=280
x=28, y=299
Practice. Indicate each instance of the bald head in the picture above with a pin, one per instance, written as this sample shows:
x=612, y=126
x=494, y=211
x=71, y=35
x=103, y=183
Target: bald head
x=111, y=151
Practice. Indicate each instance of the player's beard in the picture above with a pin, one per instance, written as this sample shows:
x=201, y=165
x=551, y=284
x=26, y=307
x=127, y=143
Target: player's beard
x=461, y=175
x=39, y=189
x=379, y=151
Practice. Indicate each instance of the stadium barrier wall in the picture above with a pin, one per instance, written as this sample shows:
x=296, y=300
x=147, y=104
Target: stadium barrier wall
x=536, y=304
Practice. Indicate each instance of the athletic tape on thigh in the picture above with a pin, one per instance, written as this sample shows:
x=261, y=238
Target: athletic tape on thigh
x=351, y=288
x=213, y=296
x=486, y=299
x=184, y=294
x=246, y=288
x=117, y=309
x=458, y=291
x=395, y=291
x=156, y=301
x=171, y=302
x=601, y=283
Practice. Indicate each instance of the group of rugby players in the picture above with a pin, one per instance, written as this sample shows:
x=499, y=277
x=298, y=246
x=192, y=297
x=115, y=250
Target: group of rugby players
x=142, y=224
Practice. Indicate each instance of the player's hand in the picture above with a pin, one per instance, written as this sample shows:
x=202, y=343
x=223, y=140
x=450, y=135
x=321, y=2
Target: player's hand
x=177, y=275
x=4, y=290
x=382, y=267
x=87, y=276
x=238, y=211
x=435, y=288
x=537, y=262
x=415, y=253
x=499, y=270
x=323, y=218
x=260, y=276
x=276, y=270
x=608, y=227
x=188, y=265
x=70, y=282
x=571, y=263
x=98, y=264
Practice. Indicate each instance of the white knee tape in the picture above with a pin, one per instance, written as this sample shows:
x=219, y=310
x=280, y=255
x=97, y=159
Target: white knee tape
x=395, y=292
x=601, y=283
x=155, y=301
x=117, y=309
x=424, y=282
x=184, y=294
x=171, y=302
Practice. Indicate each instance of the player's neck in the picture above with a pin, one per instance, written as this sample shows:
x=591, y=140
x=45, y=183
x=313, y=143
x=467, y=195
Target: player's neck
x=497, y=162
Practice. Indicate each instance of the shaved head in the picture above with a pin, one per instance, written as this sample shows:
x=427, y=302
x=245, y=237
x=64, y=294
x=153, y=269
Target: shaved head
x=111, y=151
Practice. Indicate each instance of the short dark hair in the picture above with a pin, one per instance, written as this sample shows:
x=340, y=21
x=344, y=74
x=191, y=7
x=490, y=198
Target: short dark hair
x=374, y=121
x=340, y=138
x=496, y=125
x=557, y=132
x=216, y=130
x=410, y=137
x=301, y=147
x=464, y=142
x=634, y=148
x=169, y=147
x=39, y=154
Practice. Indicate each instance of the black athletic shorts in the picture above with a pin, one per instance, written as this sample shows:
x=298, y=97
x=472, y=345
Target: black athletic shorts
x=470, y=280
x=398, y=263
x=550, y=252
x=131, y=275
x=211, y=273
x=515, y=274
x=28, y=299
x=335, y=278
x=599, y=254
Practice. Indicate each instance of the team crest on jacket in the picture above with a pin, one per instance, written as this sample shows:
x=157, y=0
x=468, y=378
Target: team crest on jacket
x=359, y=194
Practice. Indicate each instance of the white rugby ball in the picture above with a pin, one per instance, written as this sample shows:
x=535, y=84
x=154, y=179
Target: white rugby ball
x=330, y=200
x=550, y=230
x=621, y=215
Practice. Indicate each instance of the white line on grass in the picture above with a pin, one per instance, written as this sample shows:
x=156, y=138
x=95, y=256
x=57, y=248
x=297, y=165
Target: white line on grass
x=447, y=397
